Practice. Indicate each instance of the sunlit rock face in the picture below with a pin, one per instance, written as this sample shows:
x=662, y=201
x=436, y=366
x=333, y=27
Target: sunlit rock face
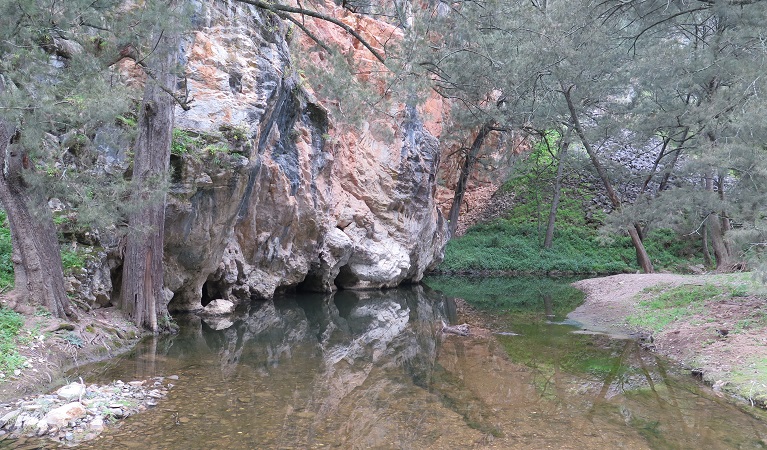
x=305, y=201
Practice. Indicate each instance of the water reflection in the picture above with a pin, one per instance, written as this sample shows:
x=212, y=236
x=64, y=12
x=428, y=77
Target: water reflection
x=372, y=370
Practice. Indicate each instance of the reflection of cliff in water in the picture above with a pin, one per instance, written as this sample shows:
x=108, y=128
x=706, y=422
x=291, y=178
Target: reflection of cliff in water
x=372, y=370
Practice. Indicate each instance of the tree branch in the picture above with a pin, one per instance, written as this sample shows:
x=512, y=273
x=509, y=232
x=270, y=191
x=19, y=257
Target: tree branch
x=278, y=9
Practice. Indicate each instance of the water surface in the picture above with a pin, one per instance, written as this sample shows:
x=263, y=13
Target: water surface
x=373, y=370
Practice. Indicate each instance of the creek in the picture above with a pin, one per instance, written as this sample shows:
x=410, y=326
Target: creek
x=374, y=370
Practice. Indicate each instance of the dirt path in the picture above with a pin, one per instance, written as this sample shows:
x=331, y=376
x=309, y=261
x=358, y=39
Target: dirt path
x=722, y=338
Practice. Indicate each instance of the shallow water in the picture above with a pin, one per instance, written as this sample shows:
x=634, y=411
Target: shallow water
x=372, y=370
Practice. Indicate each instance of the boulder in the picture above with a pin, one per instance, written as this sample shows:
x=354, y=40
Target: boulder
x=218, y=307
x=61, y=416
x=71, y=391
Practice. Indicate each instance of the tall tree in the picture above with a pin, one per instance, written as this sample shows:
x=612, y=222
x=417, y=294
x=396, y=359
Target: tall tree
x=702, y=64
x=142, y=281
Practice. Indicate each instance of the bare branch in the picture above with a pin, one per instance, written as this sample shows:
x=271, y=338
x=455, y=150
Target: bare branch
x=278, y=9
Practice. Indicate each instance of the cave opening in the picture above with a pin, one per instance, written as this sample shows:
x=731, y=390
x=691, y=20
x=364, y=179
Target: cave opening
x=211, y=290
x=346, y=278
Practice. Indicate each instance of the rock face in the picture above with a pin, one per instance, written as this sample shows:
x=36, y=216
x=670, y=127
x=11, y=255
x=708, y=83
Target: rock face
x=298, y=199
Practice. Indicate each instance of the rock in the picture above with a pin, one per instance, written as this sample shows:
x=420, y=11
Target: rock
x=97, y=424
x=9, y=417
x=136, y=383
x=218, y=307
x=218, y=323
x=60, y=417
x=289, y=205
x=71, y=391
x=42, y=428
x=461, y=330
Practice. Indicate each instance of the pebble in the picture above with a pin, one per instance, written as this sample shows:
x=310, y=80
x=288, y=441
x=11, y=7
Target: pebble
x=101, y=406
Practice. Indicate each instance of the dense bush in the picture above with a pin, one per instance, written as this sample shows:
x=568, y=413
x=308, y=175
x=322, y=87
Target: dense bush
x=504, y=245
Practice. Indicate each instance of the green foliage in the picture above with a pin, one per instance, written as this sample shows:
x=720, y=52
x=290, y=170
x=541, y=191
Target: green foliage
x=73, y=339
x=512, y=247
x=6, y=250
x=72, y=261
x=10, y=325
x=128, y=121
x=183, y=142
x=217, y=151
x=233, y=133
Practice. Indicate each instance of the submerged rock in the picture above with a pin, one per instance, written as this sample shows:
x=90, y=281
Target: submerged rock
x=55, y=417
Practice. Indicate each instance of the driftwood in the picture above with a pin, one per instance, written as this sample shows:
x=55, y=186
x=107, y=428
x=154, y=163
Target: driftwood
x=460, y=330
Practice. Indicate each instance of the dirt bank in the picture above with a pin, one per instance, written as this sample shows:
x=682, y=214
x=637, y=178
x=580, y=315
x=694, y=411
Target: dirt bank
x=51, y=346
x=718, y=330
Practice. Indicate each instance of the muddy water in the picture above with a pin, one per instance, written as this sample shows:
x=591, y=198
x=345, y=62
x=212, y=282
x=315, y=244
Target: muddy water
x=373, y=370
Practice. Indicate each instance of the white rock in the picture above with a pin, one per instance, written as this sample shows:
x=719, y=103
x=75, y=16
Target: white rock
x=218, y=323
x=218, y=307
x=42, y=427
x=71, y=391
x=9, y=417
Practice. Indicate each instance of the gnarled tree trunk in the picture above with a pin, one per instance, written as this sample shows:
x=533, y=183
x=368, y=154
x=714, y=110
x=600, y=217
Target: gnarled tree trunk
x=717, y=225
x=39, y=277
x=142, y=283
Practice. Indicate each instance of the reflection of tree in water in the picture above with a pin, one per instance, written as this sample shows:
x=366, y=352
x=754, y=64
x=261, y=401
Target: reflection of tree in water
x=370, y=369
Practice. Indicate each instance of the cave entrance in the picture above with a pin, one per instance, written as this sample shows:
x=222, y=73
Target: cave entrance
x=212, y=290
x=346, y=278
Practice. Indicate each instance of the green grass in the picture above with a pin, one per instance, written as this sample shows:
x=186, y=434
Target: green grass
x=10, y=325
x=670, y=304
x=6, y=266
x=750, y=380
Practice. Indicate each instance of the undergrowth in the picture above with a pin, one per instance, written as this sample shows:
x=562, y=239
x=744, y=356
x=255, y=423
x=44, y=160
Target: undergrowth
x=506, y=246
x=10, y=325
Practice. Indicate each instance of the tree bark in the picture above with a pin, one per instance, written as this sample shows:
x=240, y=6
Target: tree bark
x=706, y=253
x=463, y=177
x=142, y=282
x=714, y=224
x=642, y=258
x=36, y=256
x=548, y=241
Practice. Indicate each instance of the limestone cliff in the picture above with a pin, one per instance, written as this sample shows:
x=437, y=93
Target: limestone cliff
x=295, y=199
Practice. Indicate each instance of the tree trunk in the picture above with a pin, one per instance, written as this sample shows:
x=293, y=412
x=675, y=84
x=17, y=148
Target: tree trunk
x=463, y=177
x=36, y=257
x=142, y=282
x=549, y=239
x=642, y=258
x=716, y=231
x=706, y=253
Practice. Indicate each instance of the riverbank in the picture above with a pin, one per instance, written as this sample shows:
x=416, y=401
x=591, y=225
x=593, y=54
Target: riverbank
x=714, y=325
x=46, y=348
